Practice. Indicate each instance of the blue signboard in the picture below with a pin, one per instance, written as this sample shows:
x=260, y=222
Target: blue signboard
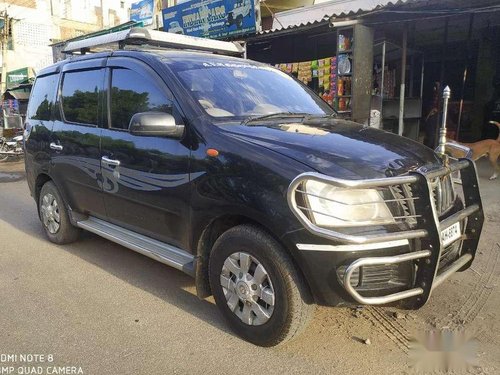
x=142, y=11
x=214, y=19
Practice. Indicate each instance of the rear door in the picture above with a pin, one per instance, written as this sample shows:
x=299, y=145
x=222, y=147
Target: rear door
x=39, y=123
x=145, y=178
x=76, y=136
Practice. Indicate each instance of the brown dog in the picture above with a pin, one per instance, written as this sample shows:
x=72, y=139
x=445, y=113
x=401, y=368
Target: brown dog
x=486, y=147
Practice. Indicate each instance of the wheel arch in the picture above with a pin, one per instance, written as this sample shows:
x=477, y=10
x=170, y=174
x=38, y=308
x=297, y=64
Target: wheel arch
x=40, y=180
x=212, y=232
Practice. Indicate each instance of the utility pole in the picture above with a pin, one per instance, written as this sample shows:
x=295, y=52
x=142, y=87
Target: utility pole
x=5, y=42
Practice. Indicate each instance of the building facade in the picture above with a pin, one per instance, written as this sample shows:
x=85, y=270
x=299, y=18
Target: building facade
x=35, y=24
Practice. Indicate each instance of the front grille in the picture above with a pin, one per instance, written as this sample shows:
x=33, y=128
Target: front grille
x=443, y=193
x=449, y=254
x=404, y=197
x=376, y=277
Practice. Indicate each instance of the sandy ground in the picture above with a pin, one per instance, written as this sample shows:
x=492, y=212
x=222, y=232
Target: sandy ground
x=109, y=310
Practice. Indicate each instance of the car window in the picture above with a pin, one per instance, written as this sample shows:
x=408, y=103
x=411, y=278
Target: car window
x=132, y=93
x=80, y=95
x=42, y=98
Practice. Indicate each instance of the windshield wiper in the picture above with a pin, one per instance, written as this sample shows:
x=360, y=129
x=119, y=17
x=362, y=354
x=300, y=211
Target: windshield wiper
x=274, y=115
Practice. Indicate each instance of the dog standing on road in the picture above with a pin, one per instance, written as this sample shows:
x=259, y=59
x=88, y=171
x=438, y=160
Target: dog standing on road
x=486, y=147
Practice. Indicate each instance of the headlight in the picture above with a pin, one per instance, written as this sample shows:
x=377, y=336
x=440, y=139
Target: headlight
x=331, y=206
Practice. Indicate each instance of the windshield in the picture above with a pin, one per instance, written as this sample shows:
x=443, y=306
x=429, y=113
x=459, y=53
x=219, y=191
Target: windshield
x=232, y=89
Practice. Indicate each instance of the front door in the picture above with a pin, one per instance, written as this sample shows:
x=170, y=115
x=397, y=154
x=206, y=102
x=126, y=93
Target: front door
x=145, y=179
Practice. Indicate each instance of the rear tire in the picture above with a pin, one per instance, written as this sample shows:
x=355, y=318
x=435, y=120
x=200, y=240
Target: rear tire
x=257, y=288
x=54, y=216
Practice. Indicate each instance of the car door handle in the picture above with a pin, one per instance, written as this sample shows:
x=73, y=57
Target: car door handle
x=55, y=146
x=109, y=161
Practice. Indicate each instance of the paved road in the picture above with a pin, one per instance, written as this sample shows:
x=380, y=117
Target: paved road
x=108, y=310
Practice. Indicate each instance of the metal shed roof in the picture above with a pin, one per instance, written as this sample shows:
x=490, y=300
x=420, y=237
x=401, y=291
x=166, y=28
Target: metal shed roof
x=324, y=11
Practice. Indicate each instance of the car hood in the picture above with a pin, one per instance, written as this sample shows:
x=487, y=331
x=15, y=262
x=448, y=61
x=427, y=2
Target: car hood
x=338, y=148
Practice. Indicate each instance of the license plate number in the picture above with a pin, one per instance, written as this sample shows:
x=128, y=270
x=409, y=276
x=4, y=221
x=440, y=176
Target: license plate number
x=450, y=234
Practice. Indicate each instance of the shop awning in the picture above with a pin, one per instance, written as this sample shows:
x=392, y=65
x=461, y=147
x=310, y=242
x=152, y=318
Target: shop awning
x=323, y=12
x=21, y=92
x=19, y=95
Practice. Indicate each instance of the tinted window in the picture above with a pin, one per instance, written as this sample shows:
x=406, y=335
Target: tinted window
x=42, y=97
x=80, y=96
x=132, y=93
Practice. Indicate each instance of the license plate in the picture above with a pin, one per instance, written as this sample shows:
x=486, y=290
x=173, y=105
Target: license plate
x=450, y=234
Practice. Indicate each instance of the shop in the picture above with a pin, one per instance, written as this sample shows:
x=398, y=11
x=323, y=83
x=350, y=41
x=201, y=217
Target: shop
x=15, y=105
x=387, y=66
x=15, y=99
x=339, y=72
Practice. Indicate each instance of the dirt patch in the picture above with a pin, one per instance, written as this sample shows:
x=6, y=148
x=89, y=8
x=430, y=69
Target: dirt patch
x=12, y=170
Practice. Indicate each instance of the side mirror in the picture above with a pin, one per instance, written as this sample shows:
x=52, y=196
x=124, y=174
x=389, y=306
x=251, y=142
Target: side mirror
x=155, y=124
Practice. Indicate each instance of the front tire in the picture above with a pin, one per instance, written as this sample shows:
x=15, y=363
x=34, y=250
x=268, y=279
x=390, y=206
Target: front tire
x=257, y=288
x=54, y=216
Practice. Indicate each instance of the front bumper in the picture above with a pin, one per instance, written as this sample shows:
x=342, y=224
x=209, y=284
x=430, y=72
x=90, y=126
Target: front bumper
x=427, y=262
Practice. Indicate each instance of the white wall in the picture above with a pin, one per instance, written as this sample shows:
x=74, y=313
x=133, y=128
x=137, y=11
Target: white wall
x=33, y=29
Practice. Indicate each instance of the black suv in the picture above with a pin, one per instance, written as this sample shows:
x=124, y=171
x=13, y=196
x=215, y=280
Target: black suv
x=237, y=174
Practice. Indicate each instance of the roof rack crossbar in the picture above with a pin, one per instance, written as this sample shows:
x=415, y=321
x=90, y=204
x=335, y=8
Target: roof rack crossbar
x=142, y=36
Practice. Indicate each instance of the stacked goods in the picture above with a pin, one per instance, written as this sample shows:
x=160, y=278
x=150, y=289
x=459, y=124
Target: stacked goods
x=389, y=82
x=305, y=73
x=344, y=43
x=325, y=70
x=327, y=80
x=344, y=93
x=333, y=74
x=324, y=74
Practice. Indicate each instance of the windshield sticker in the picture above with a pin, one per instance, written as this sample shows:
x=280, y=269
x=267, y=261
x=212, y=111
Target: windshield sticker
x=234, y=65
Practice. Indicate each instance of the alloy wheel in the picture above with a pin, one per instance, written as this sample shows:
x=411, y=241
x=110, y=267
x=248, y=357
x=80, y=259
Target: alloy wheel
x=50, y=213
x=248, y=288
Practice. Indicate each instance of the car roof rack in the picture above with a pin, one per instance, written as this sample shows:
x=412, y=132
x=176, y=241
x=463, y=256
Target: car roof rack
x=139, y=36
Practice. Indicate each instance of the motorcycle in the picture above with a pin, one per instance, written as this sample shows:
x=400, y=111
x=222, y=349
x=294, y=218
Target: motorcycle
x=11, y=147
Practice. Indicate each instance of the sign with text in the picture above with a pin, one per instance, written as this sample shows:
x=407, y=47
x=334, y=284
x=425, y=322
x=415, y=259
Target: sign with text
x=216, y=19
x=19, y=76
x=142, y=11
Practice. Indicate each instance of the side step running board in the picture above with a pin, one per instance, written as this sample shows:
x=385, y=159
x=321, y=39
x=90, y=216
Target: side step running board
x=160, y=251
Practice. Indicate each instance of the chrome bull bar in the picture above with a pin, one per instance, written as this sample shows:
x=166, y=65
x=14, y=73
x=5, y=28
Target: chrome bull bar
x=382, y=300
x=426, y=283
x=379, y=261
x=428, y=231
